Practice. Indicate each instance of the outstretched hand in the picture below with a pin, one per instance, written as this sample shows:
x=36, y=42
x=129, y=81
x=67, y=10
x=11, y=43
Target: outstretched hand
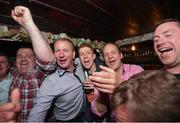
x=8, y=111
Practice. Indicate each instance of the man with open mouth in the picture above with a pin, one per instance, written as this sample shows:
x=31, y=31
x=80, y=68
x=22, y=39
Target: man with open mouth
x=167, y=45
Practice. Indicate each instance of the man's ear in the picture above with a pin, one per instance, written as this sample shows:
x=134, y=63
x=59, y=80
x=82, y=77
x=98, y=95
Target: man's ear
x=74, y=54
x=94, y=56
x=121, y=55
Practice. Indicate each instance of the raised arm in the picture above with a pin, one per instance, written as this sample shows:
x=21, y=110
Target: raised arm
x=42, y=49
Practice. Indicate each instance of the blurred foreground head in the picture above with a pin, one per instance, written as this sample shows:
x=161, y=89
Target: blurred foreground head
x=149, y=96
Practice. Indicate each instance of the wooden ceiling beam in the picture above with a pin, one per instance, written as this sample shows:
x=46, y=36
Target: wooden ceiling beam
x=90, y=3
x=72, y=14
x=4, y=1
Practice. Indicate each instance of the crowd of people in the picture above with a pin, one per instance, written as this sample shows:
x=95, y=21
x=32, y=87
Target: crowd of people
x=53, y=85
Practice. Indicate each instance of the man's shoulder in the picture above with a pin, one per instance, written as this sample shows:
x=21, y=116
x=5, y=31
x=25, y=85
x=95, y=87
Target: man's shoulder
x=132, y=66
x=7, y=80
x=52, y=75
x=78, y=65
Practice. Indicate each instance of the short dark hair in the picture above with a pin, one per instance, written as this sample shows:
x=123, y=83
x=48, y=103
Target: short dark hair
x=86, y=45
x=168, y=20
x=149, y=96
x=25, y=46
x=3, y=54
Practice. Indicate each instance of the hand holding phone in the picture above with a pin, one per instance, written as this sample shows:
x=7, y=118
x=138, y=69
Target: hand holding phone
x=104, y=81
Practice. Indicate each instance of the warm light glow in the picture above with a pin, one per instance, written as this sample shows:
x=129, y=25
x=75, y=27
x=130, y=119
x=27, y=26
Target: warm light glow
x=132, y=31
x=133, y=48
x=133, y=26
x=156, y=15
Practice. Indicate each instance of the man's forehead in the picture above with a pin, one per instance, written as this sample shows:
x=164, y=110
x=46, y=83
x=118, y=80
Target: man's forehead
x=85, y=48
x=25, y=50
x=113, y=47
x=166, y=25
x=62, y=43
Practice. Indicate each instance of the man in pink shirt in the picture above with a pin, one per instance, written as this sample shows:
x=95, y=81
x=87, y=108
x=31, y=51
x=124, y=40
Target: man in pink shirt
x=111, y=76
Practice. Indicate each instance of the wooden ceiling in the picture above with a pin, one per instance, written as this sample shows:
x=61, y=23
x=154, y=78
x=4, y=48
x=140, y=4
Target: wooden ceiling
x=106, y=20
